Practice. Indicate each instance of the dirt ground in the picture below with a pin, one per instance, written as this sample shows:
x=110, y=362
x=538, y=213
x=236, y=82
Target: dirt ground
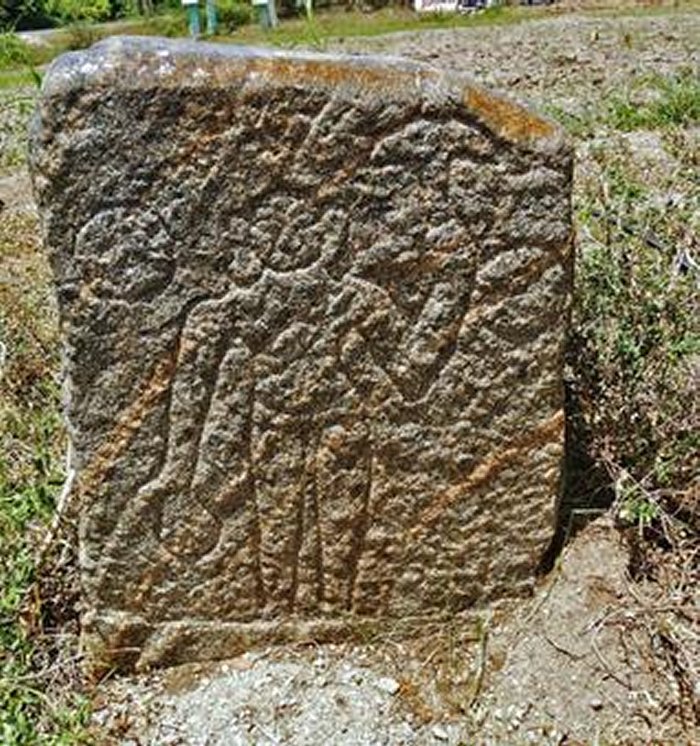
x=569, y=62
x=588, y=659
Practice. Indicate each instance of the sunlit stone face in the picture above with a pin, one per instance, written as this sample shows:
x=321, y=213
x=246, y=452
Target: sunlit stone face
x=313, y=311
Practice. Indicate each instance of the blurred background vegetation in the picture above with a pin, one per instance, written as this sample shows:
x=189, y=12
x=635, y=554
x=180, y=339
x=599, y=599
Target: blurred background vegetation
x=24, y=15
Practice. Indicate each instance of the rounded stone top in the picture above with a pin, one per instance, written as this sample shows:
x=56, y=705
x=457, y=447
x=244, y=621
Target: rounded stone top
x=145, y=62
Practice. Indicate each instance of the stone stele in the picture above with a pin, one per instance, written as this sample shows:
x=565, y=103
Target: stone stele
x=313, y=311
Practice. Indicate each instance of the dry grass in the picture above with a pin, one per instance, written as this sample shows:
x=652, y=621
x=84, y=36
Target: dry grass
x=635, y=369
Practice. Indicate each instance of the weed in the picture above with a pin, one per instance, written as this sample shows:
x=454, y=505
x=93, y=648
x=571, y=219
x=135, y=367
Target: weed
x=635, y=354
x=656, y=102
x=161, y=24
x=339, y=24
x=233, y=14
x=16, y=106
x=314, y=35
x=15, y=79
x=17, y=56
x=71, y=11
x=579, y=124
x=13, y=51
x=636, y=334
x=81, y=35
x=636, y=505
x=33, y=710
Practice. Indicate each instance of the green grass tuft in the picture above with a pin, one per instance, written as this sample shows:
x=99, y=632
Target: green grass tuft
x=656, y=103
x=339, y=24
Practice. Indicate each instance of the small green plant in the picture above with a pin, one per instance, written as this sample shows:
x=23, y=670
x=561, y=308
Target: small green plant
x=13, y=51
x=33, y=710
x=652, y=102
x=71, y=11
x=171, y=25
x=636, y=506
x=233, y=14
x=580, y=124
x=656, y=102
x=636, y=324
x=16, y=55
x=315, y=38
x=17, y=101
x=81, y=35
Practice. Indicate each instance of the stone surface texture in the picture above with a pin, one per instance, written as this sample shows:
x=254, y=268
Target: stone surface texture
x=314, y=311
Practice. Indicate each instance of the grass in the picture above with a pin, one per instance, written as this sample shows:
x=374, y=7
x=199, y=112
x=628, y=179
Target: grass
x=33, y=709
x=634, y=353
x=645, y=103
x=330, y=24
x=12, y=79
x=637, y=315
x=338, y=24
x=16, y=105
x=656, y=102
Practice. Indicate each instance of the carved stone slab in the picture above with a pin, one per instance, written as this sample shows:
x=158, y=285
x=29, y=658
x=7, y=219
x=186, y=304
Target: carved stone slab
x=313, y=311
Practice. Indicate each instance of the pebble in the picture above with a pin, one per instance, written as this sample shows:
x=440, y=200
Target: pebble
x=440, y=733
x=388, y=685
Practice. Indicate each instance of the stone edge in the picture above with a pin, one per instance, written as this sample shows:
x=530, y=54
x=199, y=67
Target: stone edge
x=127, y=643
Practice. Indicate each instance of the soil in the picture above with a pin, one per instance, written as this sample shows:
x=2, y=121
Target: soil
x=568, y=63
x=587, y=660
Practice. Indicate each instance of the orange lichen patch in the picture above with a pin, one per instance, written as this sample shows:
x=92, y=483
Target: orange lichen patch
x=550, y=430
x=300, y=72
x=509, y=120
x=334, y=74
x=126, y=428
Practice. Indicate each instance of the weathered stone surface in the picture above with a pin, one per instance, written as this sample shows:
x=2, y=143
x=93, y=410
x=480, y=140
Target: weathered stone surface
x=314, y=311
